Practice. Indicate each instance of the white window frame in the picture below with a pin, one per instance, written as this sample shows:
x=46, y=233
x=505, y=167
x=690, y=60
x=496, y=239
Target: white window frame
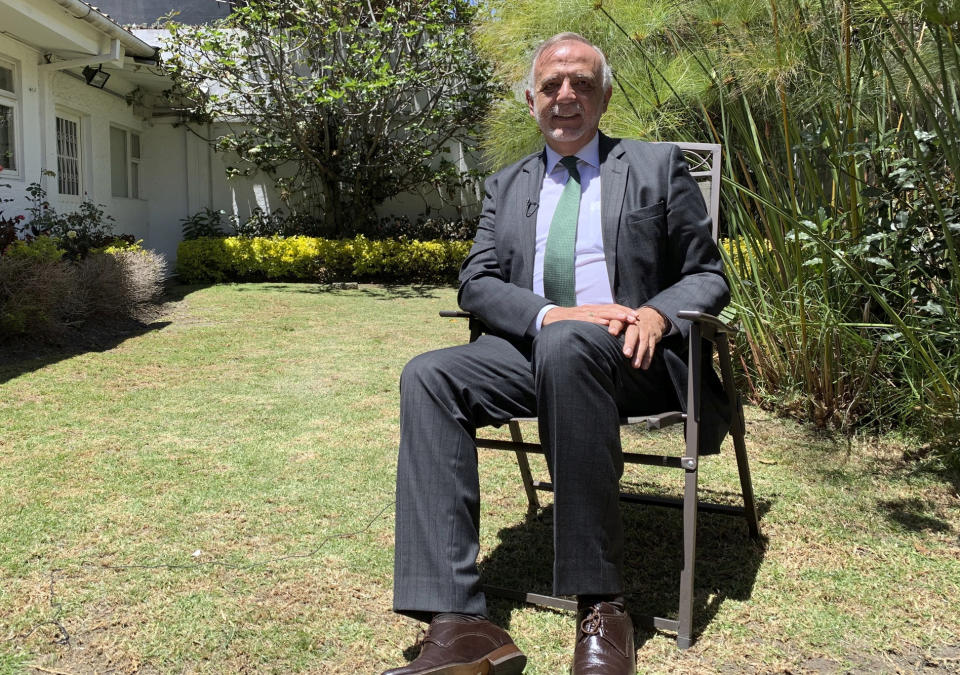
x=72, y=118
x=133, y=182
x=12, y=100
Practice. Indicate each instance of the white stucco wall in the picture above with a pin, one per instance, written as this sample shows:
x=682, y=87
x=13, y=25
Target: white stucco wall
x=44, y=95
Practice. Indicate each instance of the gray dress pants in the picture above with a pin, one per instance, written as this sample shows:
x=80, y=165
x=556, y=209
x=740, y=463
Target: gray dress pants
x=577, y=381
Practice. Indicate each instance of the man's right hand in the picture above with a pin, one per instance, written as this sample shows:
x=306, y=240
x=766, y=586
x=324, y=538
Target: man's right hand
x=616, y=316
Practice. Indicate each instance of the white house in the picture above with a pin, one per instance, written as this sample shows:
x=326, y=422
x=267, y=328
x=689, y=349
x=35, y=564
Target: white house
x=116, y=143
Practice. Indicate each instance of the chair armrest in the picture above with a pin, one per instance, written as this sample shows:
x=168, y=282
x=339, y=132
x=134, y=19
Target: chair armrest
x=706, y=319
x=455, y=314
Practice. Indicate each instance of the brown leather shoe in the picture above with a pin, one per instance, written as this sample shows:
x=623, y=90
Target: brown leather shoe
x=604, y=642
x=459, y=645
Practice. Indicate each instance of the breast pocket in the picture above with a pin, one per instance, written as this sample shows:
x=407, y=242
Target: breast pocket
x=657, y=210
x=642, y=246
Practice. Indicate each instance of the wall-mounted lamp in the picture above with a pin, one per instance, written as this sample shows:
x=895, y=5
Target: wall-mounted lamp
x=95, y=77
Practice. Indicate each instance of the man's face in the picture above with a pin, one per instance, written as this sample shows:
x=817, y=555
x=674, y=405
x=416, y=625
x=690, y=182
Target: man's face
x=568, y=99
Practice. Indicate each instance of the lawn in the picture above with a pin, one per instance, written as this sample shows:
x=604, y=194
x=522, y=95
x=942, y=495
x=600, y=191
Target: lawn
x=214, y=494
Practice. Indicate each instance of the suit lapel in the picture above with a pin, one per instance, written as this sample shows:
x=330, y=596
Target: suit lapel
x=613, y=185
x=529, y=204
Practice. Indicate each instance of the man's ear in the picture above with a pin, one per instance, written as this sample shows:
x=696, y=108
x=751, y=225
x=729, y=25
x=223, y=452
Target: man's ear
x=530, y=105
x=606, y=99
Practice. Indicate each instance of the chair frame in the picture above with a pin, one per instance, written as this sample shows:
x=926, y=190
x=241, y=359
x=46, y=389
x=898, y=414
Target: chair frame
x=704, y=160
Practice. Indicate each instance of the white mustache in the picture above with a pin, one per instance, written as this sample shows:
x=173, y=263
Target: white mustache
x=576, y=110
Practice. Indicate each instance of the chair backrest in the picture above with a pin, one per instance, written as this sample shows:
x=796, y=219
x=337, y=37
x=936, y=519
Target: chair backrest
x=704, y=161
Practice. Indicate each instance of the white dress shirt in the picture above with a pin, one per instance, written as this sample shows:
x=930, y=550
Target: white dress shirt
x=590, y=266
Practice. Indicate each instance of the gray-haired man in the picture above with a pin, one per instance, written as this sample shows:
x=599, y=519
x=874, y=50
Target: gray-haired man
x=584, y=254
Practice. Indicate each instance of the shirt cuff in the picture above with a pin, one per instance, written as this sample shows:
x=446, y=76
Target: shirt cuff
x=538, y=322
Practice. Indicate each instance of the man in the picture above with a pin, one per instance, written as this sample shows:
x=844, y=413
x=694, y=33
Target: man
x=584, y=254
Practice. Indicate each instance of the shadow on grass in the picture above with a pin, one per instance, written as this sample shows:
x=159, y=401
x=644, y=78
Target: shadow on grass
x=913, y=515
x=395, y=292
x=19, y=356
x=728, y=561
x=377, y=292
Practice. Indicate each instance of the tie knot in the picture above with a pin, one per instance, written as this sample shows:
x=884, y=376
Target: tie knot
x=570, y=164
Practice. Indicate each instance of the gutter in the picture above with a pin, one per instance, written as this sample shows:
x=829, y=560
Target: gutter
x=133, y=45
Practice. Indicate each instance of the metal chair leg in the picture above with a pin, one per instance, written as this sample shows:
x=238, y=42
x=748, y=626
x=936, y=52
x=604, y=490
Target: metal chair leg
x=737, y=431
x=685, y=617
x=533, y=504
x=690, y=463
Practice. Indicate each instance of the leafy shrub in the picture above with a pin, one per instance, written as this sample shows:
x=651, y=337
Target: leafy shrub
x=77, y=232
x=274, y=223
x=205, y=223
x=121, y=244
x=39, y=249
x=316, y=259
x=396, y=227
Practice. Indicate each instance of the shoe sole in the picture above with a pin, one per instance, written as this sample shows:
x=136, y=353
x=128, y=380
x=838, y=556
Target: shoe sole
x=508, y=660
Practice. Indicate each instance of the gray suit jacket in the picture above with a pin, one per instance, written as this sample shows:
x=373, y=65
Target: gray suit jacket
x=657, y=244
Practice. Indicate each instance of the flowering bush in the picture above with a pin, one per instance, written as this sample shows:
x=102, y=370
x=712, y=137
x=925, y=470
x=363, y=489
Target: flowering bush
x=76, y=233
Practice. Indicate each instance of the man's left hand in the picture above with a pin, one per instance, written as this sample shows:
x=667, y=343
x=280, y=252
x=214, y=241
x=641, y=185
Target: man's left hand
x=640, y=337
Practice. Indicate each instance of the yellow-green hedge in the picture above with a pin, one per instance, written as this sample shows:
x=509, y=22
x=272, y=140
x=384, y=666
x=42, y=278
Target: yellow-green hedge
x=311, y=259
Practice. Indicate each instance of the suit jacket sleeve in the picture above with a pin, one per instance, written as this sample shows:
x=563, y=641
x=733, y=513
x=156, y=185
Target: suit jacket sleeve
x=689, y=266
x=486, y=288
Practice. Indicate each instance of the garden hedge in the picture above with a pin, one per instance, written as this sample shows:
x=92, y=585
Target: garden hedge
x=215, y=259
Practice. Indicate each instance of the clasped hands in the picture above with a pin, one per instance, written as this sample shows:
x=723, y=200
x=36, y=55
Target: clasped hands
x=642, y=328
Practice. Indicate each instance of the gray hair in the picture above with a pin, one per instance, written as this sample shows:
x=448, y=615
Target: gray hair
x=567, y=37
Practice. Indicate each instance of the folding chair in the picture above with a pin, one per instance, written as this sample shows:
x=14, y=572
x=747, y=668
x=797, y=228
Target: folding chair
x=707, y=333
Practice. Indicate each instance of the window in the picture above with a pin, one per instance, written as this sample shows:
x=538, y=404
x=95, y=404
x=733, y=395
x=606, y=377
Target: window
x=68, y=156
x=125, y=163
x=8, y=117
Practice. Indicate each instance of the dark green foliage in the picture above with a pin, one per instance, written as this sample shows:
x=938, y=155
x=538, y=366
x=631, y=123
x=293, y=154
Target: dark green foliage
x=9, y=227
x=423, y=229
x=263, y=224
x=77, y=232
x=204, y=223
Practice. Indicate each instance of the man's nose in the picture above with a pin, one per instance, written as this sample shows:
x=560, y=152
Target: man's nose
x=566, y=92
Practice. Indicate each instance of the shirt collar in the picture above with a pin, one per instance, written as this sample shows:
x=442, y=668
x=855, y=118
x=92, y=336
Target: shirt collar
x=590, y=153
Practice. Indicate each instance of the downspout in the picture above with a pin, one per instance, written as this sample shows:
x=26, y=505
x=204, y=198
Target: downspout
x=186, y=171
x=209, y=166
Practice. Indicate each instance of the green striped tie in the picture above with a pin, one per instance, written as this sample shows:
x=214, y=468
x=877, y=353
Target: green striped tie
x=559, y=284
